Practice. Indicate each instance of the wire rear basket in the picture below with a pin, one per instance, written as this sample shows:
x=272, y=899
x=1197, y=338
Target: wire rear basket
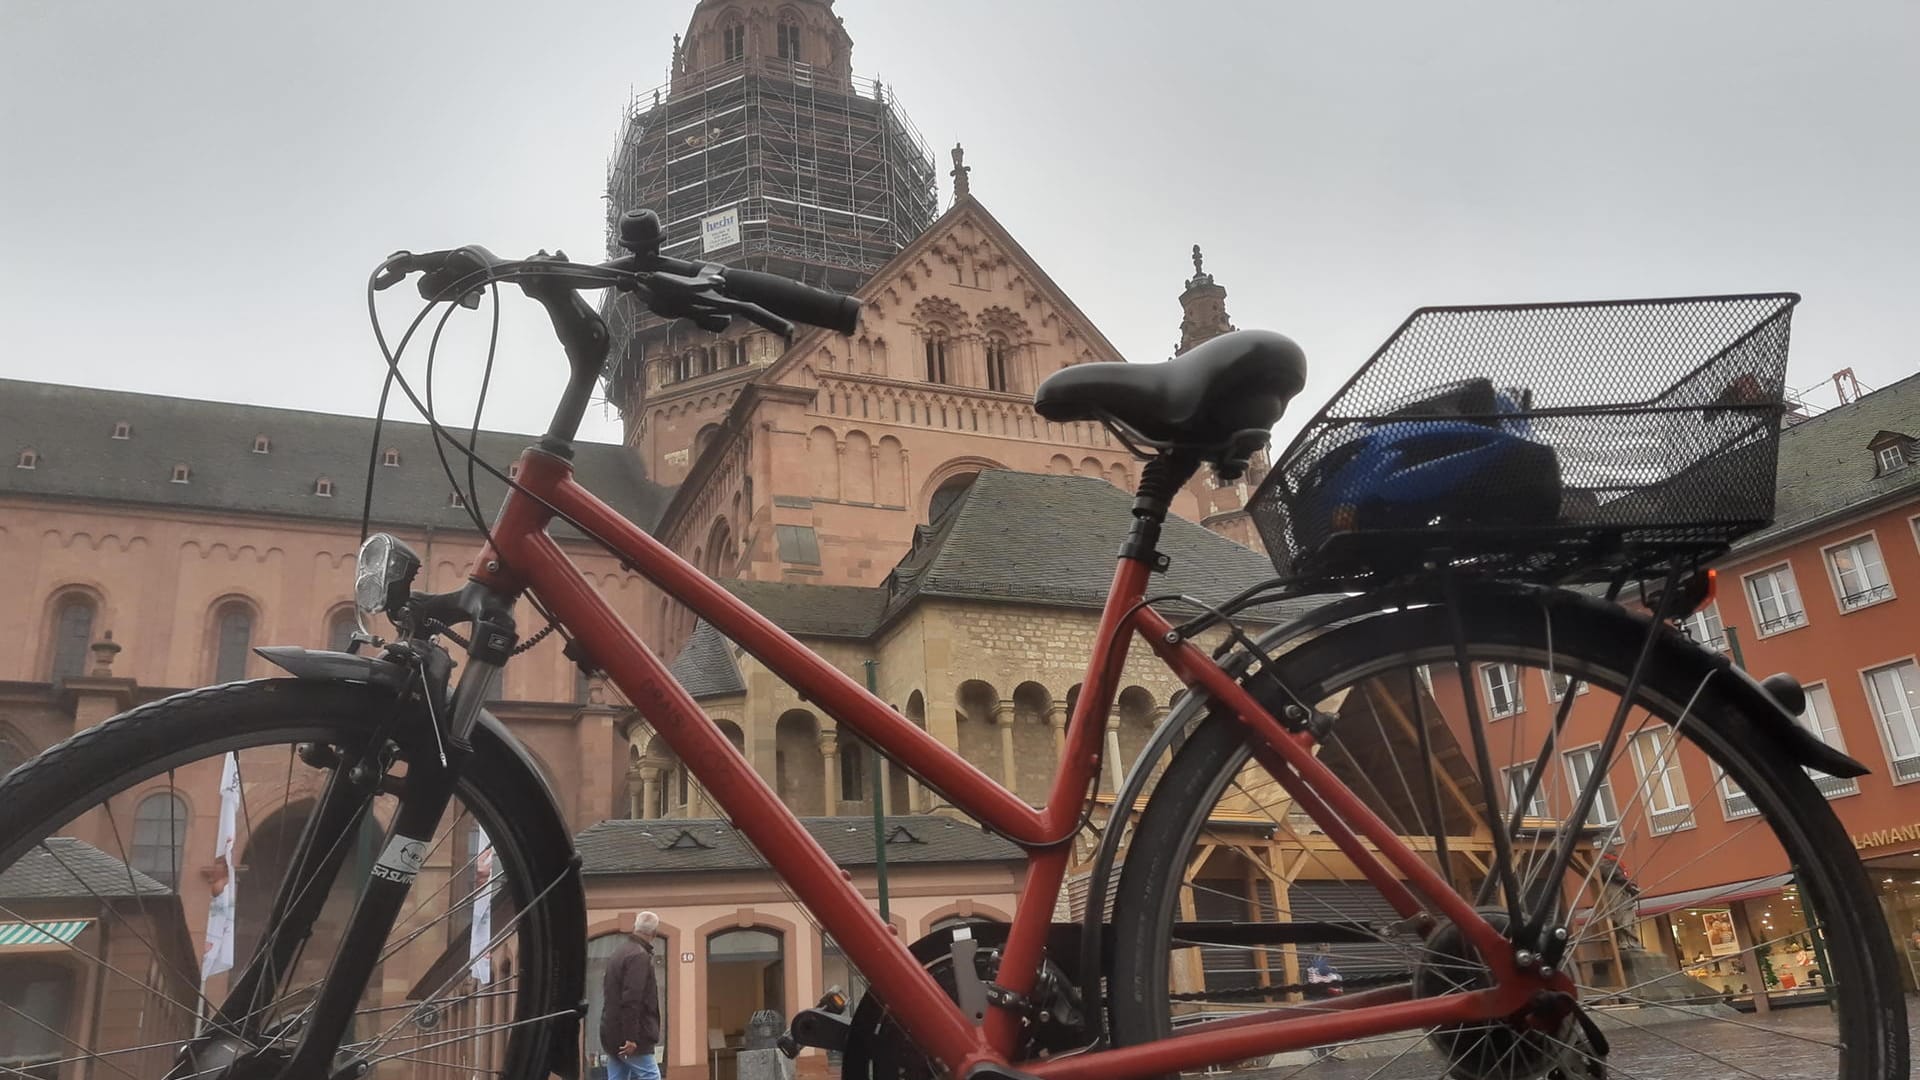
x=1551, y=442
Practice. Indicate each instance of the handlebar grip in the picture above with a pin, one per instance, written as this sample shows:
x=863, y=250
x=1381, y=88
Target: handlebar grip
x=792, y=300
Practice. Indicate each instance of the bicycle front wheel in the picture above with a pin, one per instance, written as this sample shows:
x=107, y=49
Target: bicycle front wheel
x=139, y=930
x=1709, y=890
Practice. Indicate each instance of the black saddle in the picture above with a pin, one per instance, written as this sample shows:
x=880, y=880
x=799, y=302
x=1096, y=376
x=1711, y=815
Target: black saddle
x=1207, y=400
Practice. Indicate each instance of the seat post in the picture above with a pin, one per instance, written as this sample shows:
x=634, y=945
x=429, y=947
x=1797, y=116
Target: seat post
x=1159, y=480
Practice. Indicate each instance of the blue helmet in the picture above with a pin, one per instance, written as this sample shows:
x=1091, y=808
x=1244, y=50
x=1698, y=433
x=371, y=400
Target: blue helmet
x=1443, y=470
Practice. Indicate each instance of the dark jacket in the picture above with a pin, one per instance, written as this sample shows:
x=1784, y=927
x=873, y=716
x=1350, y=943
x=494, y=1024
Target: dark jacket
x=631, y=1012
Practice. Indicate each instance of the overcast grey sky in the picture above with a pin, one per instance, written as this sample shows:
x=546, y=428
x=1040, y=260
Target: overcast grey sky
x=192, y=193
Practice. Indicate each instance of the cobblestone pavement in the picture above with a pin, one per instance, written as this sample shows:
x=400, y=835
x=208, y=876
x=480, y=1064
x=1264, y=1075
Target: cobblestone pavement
x=1783, y=1046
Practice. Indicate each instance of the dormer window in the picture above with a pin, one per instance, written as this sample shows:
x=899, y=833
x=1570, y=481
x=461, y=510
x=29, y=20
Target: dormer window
x=262, y=444
x=457, y=501
x=323, y=487
x=1892, y=458
x=28, y=460
x=181, y=474
x=513, y=471
x=390, y=459
x=123, y=430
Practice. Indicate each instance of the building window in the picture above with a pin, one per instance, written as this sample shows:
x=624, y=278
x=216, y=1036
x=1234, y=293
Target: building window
x=160, y=837
x=513, y=471
x=181, y=474
x=123, y=430
x=262, y=444
x=1657, y=764
x=1516, y=777
x=28, y=460
x=789, y=41
x=1557, y=683
x=798, y=544
x=853, y=770
x=1580, y=768
x=1501, y=684
x=937, y=356
x=1776, y=600
x=733, y=41
x=390, y=459
x=40, y=992
x=233, y=638
x=1703, y=628
x=72, y=635
x=457, y=501
x=1892, y=458
x=997, y=365
x=1859, y=574
x=1895, y=693
x=323, y=487
x=340, y=629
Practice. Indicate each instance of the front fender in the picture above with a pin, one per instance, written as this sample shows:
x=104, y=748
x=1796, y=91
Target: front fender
x=549, y=844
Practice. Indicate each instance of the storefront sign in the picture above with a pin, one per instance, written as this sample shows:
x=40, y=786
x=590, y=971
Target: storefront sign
x=1883, y=837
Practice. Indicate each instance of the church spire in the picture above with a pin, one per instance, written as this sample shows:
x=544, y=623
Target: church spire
x=1203, y=307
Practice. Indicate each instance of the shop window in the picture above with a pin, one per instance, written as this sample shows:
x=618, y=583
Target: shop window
x=37, y=998
x=600, y=952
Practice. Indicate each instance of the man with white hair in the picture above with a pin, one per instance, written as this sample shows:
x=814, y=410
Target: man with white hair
x=630, y=1017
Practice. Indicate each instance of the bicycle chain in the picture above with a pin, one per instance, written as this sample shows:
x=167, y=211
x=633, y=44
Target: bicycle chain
x=1254, y=993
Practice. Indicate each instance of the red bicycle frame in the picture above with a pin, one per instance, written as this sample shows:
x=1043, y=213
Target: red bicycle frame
x=523, y=557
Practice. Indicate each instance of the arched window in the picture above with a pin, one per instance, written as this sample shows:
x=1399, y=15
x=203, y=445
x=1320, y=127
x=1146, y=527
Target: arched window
x=600, y=952
x=706, y=361
x=733, y=41
x=340, y=627
x=948, y=495
x=13, y=753
x=936, y=354
x=232, y=639
x=997, y=365
x=160, y=837
x=72, y=634
x=853, y=768
x=789, y=40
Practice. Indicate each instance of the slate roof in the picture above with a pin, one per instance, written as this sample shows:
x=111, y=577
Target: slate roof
x=1826, y=467
x=706, y=666
x=64, y=868
x=71, y=429
x=706, y=845
x=849, y=611
x=1053, y=539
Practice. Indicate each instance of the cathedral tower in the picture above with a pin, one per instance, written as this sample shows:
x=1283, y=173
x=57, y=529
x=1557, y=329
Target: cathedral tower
x=1203, y=309
x=761, y=150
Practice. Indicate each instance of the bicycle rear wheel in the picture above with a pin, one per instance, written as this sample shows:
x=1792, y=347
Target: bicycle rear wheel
x=108, y=870
x=1708, y=861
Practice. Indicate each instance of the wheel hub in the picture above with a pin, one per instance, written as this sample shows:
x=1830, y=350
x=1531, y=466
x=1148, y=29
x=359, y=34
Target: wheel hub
x=1545, y=1039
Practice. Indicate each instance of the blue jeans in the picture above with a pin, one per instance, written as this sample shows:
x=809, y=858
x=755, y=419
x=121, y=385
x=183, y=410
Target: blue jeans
x=637, y=1067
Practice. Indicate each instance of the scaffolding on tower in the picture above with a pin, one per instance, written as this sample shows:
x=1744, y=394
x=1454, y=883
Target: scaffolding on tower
x=829, y=180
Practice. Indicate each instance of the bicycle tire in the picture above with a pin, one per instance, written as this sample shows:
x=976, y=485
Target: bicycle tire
x=1587, y=640
x=115, y=756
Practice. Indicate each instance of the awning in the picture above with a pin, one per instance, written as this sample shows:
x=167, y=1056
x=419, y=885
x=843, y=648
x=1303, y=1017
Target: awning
x=1712, y=895
x=53, y=932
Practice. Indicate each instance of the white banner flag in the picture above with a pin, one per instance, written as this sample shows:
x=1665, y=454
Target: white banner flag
x=218, y=956
x=480, y=960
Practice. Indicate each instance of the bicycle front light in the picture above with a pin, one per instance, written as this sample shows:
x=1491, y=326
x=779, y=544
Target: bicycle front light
x=383, y=576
